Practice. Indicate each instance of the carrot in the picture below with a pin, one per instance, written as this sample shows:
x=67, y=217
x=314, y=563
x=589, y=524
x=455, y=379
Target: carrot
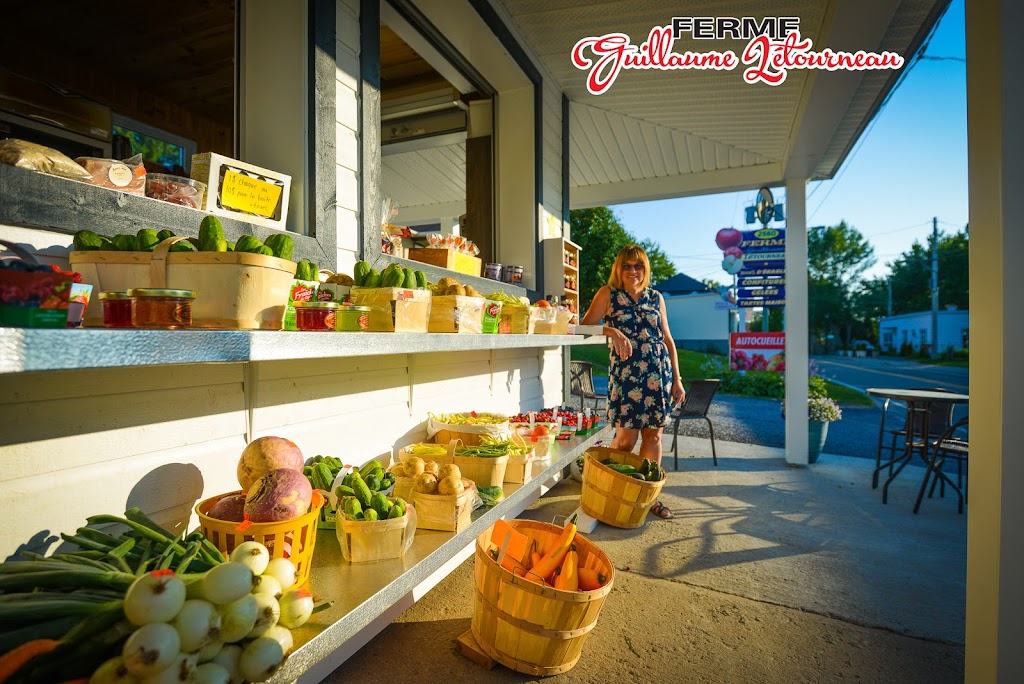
x=591, y=579
x=12, y=661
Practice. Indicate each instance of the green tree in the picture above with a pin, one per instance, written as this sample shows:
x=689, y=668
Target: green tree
x=601, y=237
x=911, y=275
x=837, y=256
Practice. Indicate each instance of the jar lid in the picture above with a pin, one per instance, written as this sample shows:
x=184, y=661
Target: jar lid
x=316, y=305
x=115, y=295
x=158, y=292
x=353, y=307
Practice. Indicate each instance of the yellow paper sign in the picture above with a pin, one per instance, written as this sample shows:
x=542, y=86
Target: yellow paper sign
x=248, y=194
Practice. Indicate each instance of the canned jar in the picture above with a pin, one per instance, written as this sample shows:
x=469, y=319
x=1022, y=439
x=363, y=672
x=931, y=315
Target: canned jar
x=492, y=271
x=117, y=309
x=352, y=318
x=517, y=275
x=316, y=316
x=161, y=308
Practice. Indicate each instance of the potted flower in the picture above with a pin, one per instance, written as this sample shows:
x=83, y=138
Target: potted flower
x=820, y=412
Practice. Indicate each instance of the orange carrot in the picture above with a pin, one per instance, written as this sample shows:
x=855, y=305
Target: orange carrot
x=12, y=661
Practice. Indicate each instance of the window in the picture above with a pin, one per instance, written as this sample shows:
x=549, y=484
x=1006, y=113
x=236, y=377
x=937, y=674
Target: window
x=159, y=148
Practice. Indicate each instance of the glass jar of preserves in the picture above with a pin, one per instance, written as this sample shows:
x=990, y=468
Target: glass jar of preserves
x=353, y=318
x=316, y=316
x=161, y=308
x=117, y=309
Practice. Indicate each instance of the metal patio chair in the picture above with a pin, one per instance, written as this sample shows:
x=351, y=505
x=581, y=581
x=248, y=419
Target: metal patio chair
x=940, y=417
x=953, y=445
x=581, y=382
x=699, y=394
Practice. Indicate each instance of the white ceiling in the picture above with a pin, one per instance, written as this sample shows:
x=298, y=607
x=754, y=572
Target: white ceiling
x=658, y=134
x=427, y=183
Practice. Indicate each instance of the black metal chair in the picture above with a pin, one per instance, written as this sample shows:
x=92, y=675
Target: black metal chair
x=940, y=417
x=699, y=394
x=581, y=382
x=952, y=444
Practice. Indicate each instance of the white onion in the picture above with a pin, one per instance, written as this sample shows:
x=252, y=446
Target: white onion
x=228, y=659
x=267, y=615
x=211, y=673
x=282, y=636
x=113, y=671
x=268, y=584
x=151, y=648
x=252, y=554
x=260, y=659
x=238, y=618
x=180, y=671
x=223, y=584
x=198, y=624
x=154, y=597
x=283, y=570
x=211, y=649
x=296, y=607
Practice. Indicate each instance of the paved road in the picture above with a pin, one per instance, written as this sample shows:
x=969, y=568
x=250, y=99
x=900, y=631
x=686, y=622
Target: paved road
x=759, y=421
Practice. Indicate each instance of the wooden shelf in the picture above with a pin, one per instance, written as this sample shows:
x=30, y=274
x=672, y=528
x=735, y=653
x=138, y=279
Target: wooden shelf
x=571, y=268
x=572, y=292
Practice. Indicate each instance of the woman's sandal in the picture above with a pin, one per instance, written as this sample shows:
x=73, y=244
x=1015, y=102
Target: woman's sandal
x=661, y=510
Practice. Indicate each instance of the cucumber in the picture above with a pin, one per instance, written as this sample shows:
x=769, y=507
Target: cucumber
x=395, y=512
x=370, y=468
x=343, y=491
x=409, y=282
x=211, y=230
x=373, y=482
x=281, y=245
x=359, y=273
x=363, y=493
x=86, y=241
x=380, y=503
x=372, y=279
x=421, y=280
x=351, y=506
x=249, y=243
x=370, y=515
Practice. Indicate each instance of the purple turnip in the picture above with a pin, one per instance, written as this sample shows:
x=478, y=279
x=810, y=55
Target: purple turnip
x=282, y=494
x=230, y=508
x=265, y=454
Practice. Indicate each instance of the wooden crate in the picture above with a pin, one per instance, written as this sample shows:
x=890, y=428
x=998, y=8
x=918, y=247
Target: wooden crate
x=394, y=309
x=456, y=314
x=446, y=258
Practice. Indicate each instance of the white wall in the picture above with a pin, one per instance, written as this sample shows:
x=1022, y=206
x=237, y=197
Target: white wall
x=79, y=443
x=694, y=317
x=348, y=134
x=951, y=325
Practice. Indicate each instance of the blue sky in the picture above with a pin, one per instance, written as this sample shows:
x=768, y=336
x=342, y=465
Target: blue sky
x=910, y=165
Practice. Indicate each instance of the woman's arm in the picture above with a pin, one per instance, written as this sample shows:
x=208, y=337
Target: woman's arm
x=677, y=384
x=599, y=308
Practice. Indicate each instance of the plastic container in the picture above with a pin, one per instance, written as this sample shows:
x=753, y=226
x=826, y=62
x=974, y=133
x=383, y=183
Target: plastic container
x=299, y=532
x=117, y=309
x=161, y=308
x=492, y=271
x=175, y=189
x=351, y=318
x=316, y=316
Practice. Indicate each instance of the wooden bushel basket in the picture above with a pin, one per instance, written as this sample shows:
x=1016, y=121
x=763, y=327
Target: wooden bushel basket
x=528, y=627
x=486, y=472
x=234, y=290
x=445, y=512
x=611, y=497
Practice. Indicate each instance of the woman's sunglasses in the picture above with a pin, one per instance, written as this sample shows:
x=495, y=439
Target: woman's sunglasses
x=632, y=267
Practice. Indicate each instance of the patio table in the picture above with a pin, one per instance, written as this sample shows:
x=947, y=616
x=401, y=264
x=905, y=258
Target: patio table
x=918, y=403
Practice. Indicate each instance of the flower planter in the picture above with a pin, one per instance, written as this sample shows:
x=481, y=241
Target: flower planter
x=817, y=432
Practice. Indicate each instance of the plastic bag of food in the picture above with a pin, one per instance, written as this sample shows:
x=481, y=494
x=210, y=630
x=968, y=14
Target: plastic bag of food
x=127, y=176
x=28, y=155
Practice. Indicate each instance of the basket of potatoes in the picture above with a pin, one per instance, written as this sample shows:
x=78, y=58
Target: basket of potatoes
x=456, y=308
x=442, y=497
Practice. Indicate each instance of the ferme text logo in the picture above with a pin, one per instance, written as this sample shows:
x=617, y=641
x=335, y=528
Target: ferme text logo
x=774, y=47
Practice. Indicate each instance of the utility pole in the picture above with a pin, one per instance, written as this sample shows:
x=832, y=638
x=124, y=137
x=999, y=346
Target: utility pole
x=888, y=309
x=935, y=288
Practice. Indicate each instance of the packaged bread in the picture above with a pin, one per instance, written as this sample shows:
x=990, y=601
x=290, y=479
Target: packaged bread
x=34, y=157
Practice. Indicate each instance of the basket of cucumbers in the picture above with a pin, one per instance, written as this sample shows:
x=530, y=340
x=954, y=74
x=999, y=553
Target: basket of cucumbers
x=375, y=528
x=619, y=487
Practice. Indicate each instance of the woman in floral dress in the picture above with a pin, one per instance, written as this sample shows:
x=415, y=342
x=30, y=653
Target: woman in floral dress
x=644, y=382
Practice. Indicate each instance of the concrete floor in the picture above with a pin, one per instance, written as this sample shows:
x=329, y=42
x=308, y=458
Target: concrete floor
x=768, y=573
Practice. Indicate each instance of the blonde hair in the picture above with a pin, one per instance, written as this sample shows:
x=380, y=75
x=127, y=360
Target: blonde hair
x=630, y=253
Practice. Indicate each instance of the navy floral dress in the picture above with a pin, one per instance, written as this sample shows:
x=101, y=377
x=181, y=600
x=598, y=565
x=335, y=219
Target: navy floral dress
x=640, y=387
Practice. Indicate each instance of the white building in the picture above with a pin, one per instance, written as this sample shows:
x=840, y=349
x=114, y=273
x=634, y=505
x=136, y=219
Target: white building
x=915, y=329
x=695, y=316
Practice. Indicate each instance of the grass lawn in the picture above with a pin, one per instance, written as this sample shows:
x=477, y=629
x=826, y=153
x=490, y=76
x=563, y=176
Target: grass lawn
x=689, y=368
x=955, y=363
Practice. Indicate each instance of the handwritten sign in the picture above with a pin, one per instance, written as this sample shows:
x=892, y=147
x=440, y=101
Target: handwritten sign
x=252, y=195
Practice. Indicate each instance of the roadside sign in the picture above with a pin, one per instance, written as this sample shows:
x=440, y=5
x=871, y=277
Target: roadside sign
x=762, y=269
x=764, y=351
x=725, y=306
x=760, y=282
x=758, y=303
x=772, y=292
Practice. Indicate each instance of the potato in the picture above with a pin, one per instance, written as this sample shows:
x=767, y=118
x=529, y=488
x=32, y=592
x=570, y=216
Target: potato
x=447, y=470
x=414, y=466
x=425, y=483
x=398, y=470
x=451, y=485
x=456, y=290
x=446, y=282
x=471, y=292
x=432, y=468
